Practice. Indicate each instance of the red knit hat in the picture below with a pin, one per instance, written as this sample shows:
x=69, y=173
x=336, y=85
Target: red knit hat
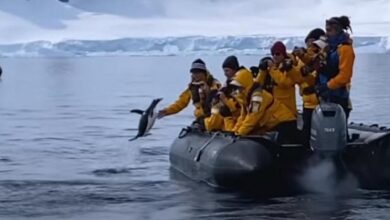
x=280, y=48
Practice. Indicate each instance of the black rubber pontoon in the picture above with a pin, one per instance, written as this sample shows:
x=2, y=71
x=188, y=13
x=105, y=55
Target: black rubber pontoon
x=223, y=160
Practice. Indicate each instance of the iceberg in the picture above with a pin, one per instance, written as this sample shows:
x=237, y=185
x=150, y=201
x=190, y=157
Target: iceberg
x=172, y=46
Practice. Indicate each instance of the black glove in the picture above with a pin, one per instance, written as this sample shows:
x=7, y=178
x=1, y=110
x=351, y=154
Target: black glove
x=198, y=124
x=306, y=70
x=225, y=111
x=287, y=65
x=298, y=51
x=322, y=91
x=263, y=65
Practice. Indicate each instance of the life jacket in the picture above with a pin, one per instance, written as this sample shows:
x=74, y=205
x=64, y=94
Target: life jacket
x=332, y=66
x=214, y=85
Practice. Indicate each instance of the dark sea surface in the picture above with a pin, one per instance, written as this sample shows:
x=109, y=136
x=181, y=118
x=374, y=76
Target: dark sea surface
x=65, y=154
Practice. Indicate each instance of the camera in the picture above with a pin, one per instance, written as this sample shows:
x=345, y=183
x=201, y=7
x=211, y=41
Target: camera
x=298, y=51
x=286, y=65
x=263, y=65
x=254, y=71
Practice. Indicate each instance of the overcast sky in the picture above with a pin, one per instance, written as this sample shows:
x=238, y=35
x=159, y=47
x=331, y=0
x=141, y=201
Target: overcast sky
x=109, y=19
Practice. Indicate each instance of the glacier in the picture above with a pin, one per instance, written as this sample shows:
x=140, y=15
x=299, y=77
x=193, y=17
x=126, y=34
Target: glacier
x=51, y=28
x=172, y=46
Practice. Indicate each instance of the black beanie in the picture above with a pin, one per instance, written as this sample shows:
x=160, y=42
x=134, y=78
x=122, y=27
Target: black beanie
x=315, y=34
x=231, y=62
x=199, y=61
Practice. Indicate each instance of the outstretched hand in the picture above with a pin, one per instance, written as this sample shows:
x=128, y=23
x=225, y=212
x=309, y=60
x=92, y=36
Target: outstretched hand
x=162, y=113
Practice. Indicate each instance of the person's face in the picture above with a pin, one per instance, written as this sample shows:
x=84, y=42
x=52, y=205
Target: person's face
x=229, y=73
x=198, y=76
x=330, y=30
x=277, y=57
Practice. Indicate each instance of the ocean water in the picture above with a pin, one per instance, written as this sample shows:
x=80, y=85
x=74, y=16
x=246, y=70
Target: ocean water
x=64, y=150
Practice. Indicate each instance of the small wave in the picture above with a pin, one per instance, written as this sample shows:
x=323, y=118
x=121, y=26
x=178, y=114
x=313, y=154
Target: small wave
x=116, y=136
x=64, y=106
x=5, y=160
x=54, y=139
x=154, y=151
x=114, y=171
x=130, y=129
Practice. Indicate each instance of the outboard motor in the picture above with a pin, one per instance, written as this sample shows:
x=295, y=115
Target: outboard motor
x=328, y=139
x=328, y=129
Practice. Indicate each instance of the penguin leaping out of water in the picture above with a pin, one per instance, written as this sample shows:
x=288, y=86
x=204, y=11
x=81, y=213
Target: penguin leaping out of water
x=148, y=117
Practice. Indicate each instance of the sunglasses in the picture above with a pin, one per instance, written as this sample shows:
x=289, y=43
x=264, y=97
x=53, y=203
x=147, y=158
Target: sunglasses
x=276, y=54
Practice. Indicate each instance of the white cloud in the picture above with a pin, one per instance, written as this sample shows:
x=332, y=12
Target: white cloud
x=29, y=20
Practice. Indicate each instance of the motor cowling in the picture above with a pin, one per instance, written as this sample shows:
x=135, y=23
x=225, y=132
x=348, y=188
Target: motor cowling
x=328, y=129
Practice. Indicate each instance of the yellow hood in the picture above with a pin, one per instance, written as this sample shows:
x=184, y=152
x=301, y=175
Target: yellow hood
x=243, y=78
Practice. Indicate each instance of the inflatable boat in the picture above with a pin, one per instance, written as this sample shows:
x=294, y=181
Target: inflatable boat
x=227, y=161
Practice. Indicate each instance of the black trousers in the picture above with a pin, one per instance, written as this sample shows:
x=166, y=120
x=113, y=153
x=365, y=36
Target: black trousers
x=306, y=116
x=287, y=132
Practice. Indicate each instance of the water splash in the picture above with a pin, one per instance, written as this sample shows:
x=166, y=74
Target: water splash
x=327, y=177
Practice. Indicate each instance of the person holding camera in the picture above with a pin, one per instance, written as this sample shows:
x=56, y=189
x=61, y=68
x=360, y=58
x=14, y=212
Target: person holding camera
x=279, y=74
x=308, y=54
x=225, y=109
x=313, y=59
x=200, y=90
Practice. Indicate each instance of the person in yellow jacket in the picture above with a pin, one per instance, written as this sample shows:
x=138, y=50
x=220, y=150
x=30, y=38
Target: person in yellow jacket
x=225, y=109
x=260, y=111
x=279, y=75
x=200, y=90
x=313, y=59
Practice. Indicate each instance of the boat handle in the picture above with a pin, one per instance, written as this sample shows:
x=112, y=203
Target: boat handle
x=184, y=132
x=199, y=153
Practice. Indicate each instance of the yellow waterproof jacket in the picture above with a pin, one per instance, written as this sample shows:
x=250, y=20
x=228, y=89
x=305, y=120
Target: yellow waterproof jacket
x=263, y=114
x=310, y=59
x=217, y=122
x=259, y=110
x=243, y=78
x=283, y=84
x=186, y=96
x=309, y=100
